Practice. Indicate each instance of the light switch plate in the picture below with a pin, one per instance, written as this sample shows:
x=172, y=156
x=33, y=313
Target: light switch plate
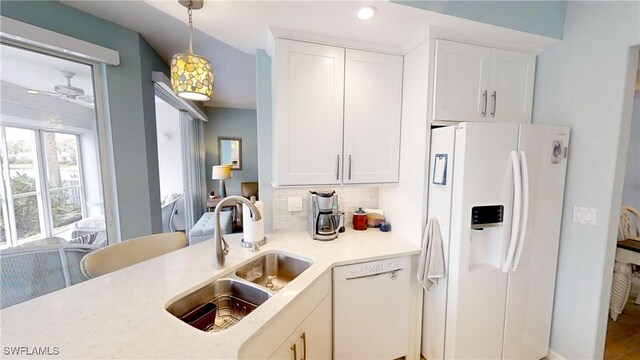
x=294, y=203
x=584, y=215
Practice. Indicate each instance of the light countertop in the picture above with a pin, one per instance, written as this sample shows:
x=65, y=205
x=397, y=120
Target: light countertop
x=122, y=314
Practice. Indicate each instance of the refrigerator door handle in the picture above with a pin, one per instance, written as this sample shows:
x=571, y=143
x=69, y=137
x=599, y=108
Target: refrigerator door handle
x=525, y=209
x=517, y=203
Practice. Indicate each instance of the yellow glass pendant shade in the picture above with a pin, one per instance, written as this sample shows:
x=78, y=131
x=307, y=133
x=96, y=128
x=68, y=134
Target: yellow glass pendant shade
x=191, y=77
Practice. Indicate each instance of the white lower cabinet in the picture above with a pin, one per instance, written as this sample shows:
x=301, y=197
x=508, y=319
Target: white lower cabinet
x=301, y=331
x=312, y=339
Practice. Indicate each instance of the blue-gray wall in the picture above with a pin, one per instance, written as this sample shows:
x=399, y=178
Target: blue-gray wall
x=239, y=123
x=131, y=105
x=263, y=110
x=537, y=17
x=586, y=82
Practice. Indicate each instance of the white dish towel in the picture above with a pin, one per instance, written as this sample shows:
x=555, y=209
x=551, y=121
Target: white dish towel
x=431, y=262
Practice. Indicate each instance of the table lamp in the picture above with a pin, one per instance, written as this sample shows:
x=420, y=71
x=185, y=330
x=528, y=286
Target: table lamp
x=221, y=172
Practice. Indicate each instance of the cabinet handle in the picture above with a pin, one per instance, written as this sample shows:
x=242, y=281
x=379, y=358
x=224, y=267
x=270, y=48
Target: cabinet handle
x=349, y=166
x=495, y=104
x=295, y=354
x=304, y=346
x=337, y=167
x=484, y=96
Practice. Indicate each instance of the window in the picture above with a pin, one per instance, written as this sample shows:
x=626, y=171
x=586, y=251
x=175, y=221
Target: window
x=52, y=209
x=25, y=200
x=41, y=209
x=51, y=184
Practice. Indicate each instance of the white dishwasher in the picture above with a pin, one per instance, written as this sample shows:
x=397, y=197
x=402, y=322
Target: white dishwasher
x=371, y=309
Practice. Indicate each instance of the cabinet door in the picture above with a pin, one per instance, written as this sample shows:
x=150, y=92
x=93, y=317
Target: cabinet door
x=308, y=113
x=290, y=350
x=511, y=79
x=372, y=110
x=312, y=339
x=461, y=79
x=317, y=331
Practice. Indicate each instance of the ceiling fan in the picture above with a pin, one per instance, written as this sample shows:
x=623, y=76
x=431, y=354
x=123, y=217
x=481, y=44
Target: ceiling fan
x=67, y=92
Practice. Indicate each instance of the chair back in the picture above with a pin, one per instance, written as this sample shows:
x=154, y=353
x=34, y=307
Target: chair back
x=169, y=211
x=32, y=271
x=130, y=252
x=249, y=189
x=629, y=222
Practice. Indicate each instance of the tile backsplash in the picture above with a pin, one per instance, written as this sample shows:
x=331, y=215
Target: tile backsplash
x=349, y=198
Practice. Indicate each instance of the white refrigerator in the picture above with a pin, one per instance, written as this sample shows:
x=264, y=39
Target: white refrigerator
x=496, y=191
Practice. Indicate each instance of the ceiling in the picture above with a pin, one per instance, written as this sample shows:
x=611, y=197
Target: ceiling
x=32, y=70
x=229, y=32
x=22, y=70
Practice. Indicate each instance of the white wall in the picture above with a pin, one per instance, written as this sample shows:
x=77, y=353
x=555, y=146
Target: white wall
x=585, y=82
x=169, y=149
x=631, y=192
x=404, y=204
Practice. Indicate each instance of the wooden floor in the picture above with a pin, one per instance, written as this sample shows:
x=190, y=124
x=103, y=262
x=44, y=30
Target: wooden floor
x=623, y=336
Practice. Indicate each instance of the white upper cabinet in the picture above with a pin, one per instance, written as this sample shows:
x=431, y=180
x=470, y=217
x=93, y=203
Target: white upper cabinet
x=308, y=113
x=477, y=83
x=335, y=123
x=372, y=110
x=511, y=81
x=461, y=81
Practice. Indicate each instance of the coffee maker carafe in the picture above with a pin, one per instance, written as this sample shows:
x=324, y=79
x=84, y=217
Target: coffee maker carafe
x=324, y=218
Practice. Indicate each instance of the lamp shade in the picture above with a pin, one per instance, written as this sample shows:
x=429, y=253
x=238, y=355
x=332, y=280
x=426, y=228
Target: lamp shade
x=191, y=76
x=221, y=172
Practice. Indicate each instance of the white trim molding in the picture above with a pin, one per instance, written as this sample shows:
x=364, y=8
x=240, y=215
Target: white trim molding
x=28, y=34
x=165, y=92
x=281, y=33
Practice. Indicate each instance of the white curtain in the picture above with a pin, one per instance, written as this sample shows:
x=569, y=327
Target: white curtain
x=192, y=131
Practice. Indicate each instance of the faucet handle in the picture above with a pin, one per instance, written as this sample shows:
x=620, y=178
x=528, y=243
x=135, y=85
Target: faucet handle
x=225, y=246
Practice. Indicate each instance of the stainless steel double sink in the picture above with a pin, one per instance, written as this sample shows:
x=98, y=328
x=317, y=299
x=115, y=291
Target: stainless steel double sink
x=225, y=301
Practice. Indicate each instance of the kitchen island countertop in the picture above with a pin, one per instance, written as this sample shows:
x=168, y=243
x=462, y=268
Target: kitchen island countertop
x=122, y=314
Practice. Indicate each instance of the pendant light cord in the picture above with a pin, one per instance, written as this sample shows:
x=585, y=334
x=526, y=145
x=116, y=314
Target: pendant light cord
x=190, y=29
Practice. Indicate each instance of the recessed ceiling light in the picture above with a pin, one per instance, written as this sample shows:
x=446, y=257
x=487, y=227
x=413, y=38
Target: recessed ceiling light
x=366, y=13
x=33, y=91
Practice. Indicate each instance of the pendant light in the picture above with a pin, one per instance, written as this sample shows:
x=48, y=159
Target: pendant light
x=191, y=74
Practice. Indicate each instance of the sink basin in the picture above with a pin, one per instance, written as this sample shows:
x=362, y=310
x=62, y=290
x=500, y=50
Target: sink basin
x=218, y=305
x=273, y=271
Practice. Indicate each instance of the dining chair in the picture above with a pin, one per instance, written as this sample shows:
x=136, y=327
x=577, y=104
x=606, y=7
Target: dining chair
x=130, y=252
x=31, y=271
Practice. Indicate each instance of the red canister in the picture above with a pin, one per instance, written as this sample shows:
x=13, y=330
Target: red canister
x=359, y=220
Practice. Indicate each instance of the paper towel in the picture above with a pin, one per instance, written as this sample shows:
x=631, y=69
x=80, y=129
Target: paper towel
x=253, y=230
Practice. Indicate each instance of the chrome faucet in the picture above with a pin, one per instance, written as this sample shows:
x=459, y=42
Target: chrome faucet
x=220, y=246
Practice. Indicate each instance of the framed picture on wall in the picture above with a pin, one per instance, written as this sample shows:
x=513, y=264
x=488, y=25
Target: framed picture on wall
x=230, y=152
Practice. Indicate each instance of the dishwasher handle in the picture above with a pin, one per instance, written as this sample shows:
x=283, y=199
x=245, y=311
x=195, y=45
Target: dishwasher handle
x=394, y=275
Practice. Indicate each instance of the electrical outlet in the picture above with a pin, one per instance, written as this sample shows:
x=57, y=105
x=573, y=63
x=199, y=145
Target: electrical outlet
x=584, y=215
x=294, y=203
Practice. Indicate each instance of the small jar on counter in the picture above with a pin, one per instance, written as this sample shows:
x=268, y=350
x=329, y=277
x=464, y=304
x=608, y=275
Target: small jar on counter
x=359, y=219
